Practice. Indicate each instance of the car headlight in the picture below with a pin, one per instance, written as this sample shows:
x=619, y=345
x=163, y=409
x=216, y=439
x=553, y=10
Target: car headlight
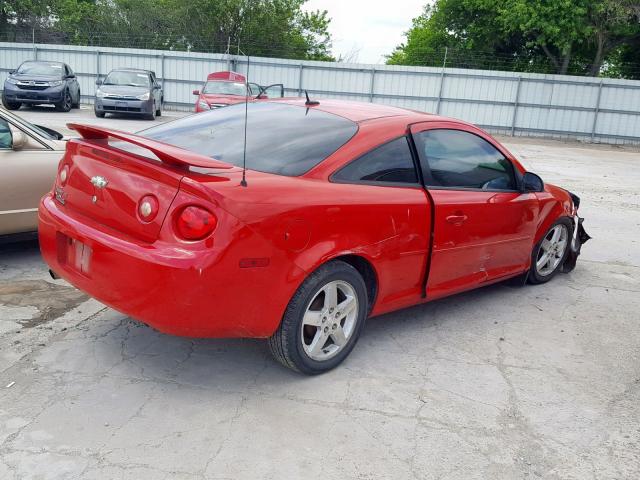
x=12, y=80
x=144, y=96
x=203, y=104
x=100, y=94
x=55, y=83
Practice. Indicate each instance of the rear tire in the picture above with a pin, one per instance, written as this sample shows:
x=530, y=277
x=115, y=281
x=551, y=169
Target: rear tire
x=323, y=320
x=550, y=252
x=10, y=105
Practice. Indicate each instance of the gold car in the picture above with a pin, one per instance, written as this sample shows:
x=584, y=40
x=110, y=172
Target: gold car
x=29, y=156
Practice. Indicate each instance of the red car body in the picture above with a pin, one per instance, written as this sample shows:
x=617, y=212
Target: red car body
x=414, y=244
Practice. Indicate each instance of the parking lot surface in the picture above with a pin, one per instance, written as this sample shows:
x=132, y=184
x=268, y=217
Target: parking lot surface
x=505, y=382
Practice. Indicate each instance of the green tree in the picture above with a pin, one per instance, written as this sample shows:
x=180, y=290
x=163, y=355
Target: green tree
x=559, y=36
x=257, y=27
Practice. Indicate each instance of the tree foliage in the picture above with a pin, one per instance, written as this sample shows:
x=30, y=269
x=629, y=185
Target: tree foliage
x=584, y=37
x=254, y=27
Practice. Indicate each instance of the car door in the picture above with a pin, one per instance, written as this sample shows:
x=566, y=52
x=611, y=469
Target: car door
x=26, y=174
x=483, y=224
x=398, y=209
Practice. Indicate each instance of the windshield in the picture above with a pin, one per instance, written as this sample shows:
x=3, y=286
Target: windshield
x=41, y=68
x=133, y=79
x=225, y=88
x=282, y=139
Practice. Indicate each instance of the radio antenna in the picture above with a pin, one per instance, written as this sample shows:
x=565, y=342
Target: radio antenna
x=243, y=182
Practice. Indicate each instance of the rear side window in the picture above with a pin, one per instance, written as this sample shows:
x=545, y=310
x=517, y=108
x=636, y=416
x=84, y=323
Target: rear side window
x=464, y=160
x=281, y=139
x=389, y=163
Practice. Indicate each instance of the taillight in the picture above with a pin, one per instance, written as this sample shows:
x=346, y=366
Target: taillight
x=63, y=175
x=195, y=223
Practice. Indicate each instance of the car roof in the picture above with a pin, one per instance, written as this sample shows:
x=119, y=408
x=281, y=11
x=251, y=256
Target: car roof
x=43, y=61
x=131, y=70
x=363, y=111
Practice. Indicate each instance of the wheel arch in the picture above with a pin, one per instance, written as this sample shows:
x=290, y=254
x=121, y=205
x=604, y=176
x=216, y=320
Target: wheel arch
x=367, y=271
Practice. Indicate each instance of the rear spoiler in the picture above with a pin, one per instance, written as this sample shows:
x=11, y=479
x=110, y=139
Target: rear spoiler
x=169, y=154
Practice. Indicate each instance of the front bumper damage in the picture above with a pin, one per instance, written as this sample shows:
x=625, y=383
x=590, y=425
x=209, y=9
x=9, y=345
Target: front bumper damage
x=579, y=237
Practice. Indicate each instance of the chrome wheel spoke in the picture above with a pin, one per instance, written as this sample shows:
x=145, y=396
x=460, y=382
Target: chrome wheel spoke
x=543, y=260
x=347, y=306
x=318, y=343
x=313, y=318
x=331, y=296
x=338, y=336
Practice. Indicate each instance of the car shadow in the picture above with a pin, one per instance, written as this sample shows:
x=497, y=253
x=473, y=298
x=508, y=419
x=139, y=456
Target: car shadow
x=139, y=351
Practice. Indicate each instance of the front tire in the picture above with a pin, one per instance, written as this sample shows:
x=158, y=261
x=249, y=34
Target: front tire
x=10, y=105
x=65, y=104
x=77, y=104
x=323, y=320
x=99, y=114
x=550, y=252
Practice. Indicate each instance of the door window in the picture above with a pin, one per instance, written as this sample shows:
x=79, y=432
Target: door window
x=458, y=159
x=389, y=163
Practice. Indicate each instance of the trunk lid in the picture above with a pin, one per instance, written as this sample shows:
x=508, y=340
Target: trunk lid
x=108, y=184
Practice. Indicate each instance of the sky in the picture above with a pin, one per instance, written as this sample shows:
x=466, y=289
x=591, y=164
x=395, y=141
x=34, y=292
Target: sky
x=367, y=29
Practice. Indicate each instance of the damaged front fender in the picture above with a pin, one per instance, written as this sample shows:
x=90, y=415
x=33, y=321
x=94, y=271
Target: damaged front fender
x=580, y=236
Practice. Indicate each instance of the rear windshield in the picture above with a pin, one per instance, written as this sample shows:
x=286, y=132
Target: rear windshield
x=282, y=139
x=41, y=68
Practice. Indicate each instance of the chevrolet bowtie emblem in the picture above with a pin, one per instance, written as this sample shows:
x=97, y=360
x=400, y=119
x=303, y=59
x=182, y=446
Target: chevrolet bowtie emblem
x=99, y=182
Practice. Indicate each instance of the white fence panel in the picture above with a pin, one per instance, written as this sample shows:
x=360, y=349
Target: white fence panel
x=605, y=110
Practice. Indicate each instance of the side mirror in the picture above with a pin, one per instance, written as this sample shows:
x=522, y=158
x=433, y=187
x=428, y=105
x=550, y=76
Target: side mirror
x=98, y=82
x=156, y=86
x=11, y=72
x=532, y=183
x=196, y=92
x=70, y=76
x=19, y=139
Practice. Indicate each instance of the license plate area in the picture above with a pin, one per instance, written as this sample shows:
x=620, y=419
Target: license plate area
x=73, y=254
x=121, y=103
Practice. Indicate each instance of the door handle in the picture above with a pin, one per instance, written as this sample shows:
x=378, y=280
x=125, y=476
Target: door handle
x=457, y=219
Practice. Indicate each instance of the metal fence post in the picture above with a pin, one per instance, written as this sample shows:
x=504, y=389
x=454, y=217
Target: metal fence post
x=515, y=107
x=595, y=112
x=300, y=80
x=373, y=79
x=444, y=65
x=162, y=70
x=97, y=65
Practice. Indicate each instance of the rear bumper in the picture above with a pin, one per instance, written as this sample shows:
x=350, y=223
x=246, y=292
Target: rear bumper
x=174, y=290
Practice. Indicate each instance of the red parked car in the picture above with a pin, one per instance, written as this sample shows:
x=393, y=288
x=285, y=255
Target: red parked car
x=348, y=211
x=228, y=88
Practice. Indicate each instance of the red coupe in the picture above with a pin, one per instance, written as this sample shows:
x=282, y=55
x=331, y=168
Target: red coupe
x=345, y=211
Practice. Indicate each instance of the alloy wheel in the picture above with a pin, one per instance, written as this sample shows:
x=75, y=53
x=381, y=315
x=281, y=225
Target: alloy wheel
x=329, y=320
x=552, y=250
